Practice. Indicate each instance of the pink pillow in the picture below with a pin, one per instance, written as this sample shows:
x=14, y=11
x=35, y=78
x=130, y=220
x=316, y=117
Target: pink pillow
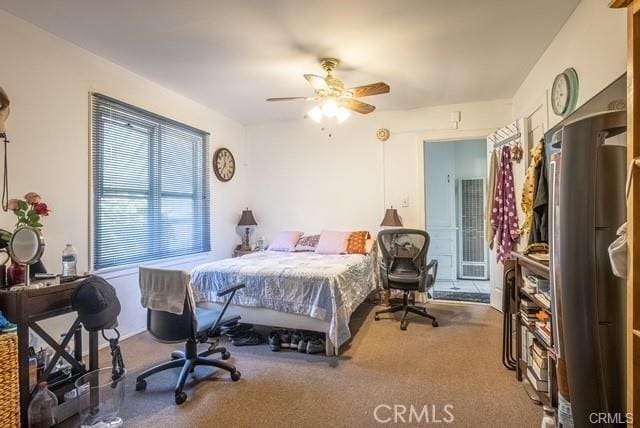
x=332, y=242
x=285, y=241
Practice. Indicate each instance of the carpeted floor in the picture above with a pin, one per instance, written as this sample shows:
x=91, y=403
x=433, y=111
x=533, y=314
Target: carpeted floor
x=456, y=364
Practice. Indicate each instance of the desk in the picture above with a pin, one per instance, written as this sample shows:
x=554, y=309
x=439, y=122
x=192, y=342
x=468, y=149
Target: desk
x=25, y=307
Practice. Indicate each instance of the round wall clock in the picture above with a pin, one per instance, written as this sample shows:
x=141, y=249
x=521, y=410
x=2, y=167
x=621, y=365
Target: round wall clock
x=564, y=92
x=224, y=165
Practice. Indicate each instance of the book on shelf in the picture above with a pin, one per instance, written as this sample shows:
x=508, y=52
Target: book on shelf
x=541, y=372
x=544, y=299
x=538, y=384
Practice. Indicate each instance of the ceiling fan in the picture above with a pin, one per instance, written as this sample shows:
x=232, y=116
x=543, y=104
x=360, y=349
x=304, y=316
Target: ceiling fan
x=334, y=99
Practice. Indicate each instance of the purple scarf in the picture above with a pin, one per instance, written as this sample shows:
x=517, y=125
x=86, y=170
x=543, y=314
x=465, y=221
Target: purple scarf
x=504, y=216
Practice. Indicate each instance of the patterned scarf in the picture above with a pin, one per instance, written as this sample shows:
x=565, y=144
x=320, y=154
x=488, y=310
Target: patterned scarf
x=504, y=217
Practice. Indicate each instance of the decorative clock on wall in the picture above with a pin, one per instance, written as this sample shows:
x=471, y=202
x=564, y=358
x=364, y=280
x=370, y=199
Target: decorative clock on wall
x=224, y=165
x=564, y=93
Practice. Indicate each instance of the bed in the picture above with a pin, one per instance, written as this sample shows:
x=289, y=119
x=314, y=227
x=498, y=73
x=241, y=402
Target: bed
x=295, y=290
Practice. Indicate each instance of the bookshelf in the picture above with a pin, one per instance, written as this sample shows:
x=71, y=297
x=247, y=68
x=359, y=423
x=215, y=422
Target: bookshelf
x=536, y=356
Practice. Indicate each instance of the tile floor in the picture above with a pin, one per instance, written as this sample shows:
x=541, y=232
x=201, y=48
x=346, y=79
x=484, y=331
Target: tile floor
x=463, y=285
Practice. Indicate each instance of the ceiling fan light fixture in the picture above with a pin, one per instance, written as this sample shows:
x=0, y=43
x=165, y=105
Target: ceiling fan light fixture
x=330, y=108
x=342, y=114
x=315, y=114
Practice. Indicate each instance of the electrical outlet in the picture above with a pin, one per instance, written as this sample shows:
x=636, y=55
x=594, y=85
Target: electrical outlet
x=405, y=202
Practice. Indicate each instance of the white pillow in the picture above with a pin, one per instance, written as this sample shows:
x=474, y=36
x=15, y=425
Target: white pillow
x=285, y=241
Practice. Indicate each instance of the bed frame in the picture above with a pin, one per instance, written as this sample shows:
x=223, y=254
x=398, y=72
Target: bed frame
x=269, y=317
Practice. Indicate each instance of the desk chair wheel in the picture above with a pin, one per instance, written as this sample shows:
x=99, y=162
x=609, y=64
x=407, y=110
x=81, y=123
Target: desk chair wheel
x=226, y=355
x=435, y=323
x=180, y=397
x=235, y=375
x=141, y=385
x=377, y=318
x=403, y=325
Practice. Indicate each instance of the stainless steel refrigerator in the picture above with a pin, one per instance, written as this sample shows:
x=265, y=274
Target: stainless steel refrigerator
x=587, y=179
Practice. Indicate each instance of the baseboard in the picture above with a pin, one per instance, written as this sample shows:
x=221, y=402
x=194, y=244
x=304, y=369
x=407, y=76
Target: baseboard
x=123, y=337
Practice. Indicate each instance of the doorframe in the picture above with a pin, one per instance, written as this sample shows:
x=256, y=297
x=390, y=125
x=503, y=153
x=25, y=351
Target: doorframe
x=443, y=135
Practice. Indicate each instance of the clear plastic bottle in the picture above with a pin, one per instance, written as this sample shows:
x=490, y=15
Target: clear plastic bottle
x=43, y=409
x=69, y=261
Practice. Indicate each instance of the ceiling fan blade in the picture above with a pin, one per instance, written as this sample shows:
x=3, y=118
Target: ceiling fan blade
x=317, y=82
x=358, y=106
x=288, y=98
x=368, y=90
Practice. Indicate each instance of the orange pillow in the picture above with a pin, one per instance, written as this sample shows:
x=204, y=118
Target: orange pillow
x=358, y=242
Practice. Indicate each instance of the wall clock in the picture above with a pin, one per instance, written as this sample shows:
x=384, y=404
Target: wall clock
x=564, y=92
x=224, y=165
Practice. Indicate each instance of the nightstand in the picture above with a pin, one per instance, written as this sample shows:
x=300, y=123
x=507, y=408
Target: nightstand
x=238, y=252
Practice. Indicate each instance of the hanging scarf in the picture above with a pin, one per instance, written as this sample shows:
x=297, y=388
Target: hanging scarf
x=530, y=185
x=504, y=217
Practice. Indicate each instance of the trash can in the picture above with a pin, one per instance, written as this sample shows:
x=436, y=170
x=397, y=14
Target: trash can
x=100, y=398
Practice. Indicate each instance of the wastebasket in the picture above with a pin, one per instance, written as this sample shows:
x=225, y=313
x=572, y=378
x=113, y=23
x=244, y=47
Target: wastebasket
x=100, y=398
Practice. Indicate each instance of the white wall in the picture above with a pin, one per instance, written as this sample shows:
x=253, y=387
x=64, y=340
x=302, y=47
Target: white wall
x=593, y=41
x=49, y=81
x=471, y=158
x=302, y=178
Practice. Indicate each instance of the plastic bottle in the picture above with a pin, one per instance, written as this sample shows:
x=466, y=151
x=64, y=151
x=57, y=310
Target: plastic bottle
x=43, y=409
x=549, y=417
x=69, y=261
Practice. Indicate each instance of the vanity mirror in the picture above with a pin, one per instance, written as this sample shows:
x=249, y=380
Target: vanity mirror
x=26, y=247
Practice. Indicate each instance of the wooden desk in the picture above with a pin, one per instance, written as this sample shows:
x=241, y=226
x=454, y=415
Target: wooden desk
x=25, y=307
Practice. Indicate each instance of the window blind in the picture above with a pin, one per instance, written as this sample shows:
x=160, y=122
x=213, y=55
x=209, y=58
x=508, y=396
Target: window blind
x=150, y=186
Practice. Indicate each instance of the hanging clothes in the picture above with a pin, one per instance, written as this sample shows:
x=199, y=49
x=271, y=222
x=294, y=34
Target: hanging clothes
x=504, y=217
x=531, y=185
x=490, y=230
x=539, y=232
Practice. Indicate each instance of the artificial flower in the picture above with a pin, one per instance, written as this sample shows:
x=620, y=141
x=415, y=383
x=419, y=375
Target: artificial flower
x=33, y=198
x=12, y=204
x=41, y=209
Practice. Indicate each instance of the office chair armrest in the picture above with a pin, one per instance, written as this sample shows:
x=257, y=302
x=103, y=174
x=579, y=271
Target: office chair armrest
x=433, y=264
x=231, y=288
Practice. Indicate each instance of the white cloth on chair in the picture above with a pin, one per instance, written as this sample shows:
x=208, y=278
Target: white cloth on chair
x=164, y=289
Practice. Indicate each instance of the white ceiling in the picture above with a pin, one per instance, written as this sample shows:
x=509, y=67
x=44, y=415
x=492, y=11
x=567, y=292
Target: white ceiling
x=231, y=55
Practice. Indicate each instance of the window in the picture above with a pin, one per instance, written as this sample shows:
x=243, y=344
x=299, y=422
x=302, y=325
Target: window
x=150, y=186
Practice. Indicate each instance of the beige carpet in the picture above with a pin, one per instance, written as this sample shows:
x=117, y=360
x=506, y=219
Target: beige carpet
x=455, y=364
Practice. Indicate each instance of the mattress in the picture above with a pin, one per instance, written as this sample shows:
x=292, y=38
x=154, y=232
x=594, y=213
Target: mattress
x=324, y=287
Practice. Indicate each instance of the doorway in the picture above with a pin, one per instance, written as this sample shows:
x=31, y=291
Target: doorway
x=455, y=198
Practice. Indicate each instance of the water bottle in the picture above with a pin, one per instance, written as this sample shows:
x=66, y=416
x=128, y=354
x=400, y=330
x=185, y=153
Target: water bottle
x=69, y=261
x=43, y=409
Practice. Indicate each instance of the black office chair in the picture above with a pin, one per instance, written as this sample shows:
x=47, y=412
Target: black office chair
x=403, y=267
x=195, y=325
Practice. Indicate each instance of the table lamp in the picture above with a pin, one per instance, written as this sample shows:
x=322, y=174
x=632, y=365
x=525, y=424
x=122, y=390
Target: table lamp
x=247, y=220
x=391, y=218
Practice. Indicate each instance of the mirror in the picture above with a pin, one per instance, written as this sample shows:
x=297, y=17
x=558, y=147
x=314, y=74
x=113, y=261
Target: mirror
x=26, y=247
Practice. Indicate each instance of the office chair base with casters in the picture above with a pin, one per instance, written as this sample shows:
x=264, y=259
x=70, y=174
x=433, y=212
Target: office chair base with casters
x=407, y=308
x=192, y=327
x=188, y=361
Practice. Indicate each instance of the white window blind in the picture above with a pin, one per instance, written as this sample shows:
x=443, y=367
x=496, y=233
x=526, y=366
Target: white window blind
x=150, y=186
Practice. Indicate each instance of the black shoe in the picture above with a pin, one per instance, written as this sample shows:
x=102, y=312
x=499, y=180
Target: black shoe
x=250, y=338
x=285, y=338
x=316, y=345
x=275, y=343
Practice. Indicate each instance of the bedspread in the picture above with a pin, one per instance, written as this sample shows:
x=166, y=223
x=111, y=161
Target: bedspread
x=325, y=287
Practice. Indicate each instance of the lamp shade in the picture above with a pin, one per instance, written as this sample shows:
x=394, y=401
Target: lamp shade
x=391, y=218
x=247, y=219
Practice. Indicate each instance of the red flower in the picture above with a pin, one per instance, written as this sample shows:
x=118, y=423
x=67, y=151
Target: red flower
x=41, y=209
